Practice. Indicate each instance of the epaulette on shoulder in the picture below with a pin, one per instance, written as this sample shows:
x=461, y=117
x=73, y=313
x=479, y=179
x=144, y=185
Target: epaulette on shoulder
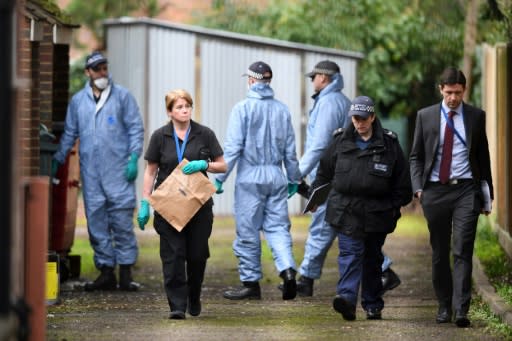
x=391, y=134
x=337, y=132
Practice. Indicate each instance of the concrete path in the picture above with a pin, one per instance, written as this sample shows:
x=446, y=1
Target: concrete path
x=409, y=313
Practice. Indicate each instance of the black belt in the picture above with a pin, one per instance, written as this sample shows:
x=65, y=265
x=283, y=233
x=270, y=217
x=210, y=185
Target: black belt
x=452, y=182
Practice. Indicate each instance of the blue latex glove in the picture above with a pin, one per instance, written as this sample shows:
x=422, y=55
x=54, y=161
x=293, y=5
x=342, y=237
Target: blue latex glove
x=131, y=168
x=195, y=166
x=143, y=215
x=55, y=167
x=292, y=189
x=218, y=187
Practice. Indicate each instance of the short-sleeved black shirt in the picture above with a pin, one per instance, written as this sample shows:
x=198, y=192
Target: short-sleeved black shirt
x=202, y=144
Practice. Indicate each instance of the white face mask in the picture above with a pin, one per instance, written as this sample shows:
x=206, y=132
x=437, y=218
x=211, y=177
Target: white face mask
x=101, y=83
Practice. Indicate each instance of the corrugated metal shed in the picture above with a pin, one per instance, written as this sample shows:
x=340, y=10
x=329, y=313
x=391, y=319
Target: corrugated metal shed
x=151, y=57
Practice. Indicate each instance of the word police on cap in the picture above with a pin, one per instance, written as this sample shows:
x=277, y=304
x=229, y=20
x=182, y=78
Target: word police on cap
x=362, y=108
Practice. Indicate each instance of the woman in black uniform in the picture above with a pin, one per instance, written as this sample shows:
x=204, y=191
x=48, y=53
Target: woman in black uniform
x=184, y=253
x=370, y=182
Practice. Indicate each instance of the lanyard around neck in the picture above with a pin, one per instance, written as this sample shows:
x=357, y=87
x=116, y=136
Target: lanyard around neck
x=452, y=126
x=180, y=150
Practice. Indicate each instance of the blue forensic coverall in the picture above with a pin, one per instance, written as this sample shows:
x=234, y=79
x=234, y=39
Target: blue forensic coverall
x=260, y=140
x=109, y=132
x=329, y=112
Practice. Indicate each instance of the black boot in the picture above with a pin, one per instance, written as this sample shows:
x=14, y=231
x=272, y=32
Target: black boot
x=249, y=290
x=105, y=281
x=126, y=282
x=194, y=305
x=390, y=280
x=177, y=315
x=289, y=284
x=305, y=286
x=344, y=307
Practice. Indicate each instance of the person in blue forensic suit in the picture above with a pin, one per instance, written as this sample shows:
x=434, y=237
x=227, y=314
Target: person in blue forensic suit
x=329, y=112
x=260, y=139
x=106, y=119
x=370, y=182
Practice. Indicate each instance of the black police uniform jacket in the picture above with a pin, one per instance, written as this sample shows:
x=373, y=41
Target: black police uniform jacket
x=368, y=186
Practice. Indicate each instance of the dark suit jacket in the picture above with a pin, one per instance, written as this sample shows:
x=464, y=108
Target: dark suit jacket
x=426, y=143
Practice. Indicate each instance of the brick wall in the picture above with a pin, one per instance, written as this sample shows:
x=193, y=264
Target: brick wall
x=29, y=106
x=43, y=68
x=24, y=100
x=46, y=75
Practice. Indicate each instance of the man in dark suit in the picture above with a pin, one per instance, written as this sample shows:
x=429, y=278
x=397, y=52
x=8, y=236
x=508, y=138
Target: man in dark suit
x=451, y=176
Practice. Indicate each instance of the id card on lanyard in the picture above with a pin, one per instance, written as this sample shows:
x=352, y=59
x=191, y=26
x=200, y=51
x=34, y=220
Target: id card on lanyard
x=180, y=150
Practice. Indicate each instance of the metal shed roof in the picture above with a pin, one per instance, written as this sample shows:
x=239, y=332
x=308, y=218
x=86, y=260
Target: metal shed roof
x=245, y=38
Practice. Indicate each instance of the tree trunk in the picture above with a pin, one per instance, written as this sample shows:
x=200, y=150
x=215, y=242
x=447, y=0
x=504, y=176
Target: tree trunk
x=470, y=31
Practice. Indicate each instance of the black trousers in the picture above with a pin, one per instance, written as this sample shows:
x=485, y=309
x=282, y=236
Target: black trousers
x=452, y=214
x=184, y=256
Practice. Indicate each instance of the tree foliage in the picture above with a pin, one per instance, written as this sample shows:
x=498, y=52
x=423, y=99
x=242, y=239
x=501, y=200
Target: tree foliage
x=77, y=77
x=496, y=21
x=406, y=43
x=91, y=13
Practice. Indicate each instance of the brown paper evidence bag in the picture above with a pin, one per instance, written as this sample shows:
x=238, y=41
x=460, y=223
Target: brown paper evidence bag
x=181, y=195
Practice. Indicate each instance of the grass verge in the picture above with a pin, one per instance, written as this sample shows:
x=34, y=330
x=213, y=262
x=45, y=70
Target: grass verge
x=498, y=268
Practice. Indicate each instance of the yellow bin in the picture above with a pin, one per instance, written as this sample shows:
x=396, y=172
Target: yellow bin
x=52, y=279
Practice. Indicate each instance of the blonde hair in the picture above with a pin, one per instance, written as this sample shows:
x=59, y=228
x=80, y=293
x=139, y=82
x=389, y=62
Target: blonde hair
x=172, y=96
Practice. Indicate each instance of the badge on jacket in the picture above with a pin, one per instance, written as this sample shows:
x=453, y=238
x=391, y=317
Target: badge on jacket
x=382, y=167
